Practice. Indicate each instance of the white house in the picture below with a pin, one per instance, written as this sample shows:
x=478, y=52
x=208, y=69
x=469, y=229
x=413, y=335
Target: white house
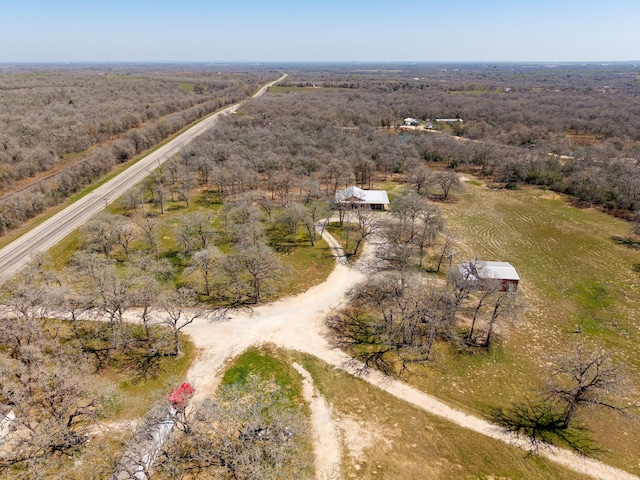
x=356, y=197
x=486, y=272
x=410, y=122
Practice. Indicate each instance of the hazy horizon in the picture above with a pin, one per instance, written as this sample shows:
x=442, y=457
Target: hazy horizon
x=375, y=31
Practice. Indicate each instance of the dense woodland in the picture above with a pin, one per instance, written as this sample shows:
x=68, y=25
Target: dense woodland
x=571, y=128
x=62, y=128
x=263, y=177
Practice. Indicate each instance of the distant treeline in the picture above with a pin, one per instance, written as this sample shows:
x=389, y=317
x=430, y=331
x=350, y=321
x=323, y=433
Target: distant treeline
x=574, y=129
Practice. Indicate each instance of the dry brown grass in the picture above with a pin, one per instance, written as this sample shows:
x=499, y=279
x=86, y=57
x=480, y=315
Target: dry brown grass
x=385, y=437
x=584, y=139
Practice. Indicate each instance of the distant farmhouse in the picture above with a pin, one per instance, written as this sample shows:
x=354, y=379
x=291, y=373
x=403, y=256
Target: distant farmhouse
x=486, y=274
x=414, y=124
x=357, y=198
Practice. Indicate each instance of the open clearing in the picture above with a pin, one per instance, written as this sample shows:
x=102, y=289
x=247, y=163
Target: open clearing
x=572, y=273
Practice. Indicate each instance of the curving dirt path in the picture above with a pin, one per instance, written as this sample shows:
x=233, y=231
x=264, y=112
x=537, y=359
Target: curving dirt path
x=297, y=323
x=327, y=447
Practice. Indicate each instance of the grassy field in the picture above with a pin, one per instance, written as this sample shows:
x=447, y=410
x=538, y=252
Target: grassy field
x=385, y=437
x=572, y=273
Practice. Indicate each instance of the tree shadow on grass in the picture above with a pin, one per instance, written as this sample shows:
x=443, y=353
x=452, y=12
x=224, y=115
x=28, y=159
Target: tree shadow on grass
x=629, y=242
x=542, y=422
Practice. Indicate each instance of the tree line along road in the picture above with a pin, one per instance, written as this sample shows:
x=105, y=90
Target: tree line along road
x=41, y=238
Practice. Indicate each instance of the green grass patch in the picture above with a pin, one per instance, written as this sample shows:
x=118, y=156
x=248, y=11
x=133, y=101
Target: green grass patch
x=187, y=87
x=347, y=237
x=475, y=183
x=309, y=266
x=134, y=396
x=282, y=89
x=268, y=363
x=60, y=254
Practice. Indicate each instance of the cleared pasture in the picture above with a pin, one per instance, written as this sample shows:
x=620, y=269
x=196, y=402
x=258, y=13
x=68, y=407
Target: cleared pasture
x=573, y=273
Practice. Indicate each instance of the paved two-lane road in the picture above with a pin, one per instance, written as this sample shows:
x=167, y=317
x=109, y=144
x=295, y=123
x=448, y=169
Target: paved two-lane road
x=18, y=253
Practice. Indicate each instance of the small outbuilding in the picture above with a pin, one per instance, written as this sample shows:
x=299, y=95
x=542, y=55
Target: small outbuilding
x=410, y=122
x=450, y=121
x=486, y=274
x=359, y=198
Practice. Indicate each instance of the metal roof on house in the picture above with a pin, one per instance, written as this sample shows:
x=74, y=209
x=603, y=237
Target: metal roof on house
x=368, y=197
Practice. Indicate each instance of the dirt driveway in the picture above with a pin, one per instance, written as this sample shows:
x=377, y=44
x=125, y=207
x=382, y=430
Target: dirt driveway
x=297, y=323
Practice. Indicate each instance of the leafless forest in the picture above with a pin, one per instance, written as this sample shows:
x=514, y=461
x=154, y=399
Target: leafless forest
x=522, y=123
x=62, y=128
x=268, y=172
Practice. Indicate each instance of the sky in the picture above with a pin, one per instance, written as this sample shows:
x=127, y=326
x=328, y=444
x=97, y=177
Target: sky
x=319, y=31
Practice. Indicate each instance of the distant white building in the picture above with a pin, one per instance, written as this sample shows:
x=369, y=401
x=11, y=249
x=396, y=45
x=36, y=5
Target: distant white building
x=356, y=197
x=449, y=120
x=410, y=122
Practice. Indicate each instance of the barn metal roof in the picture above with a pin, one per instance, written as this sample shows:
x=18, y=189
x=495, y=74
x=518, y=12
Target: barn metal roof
x=368, y=197
x=495, y=270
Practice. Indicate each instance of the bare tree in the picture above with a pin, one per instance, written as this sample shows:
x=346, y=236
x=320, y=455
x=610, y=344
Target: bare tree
x=417, y=223
x=100, y=233
x=295, y=214
x=111, y=289
x=155, y=188
x=406, y=209
x=253, y=269
x=482, y=299
x=195, y=231
x=243, y=222
x=125, y=234
x=422, y=178
x=22, y=299
x=206, y=262
x=54, y=403
x=181, y=310
x=337, y=173
x=430, y=224
x=148, y=225
x=391, y=321
x=635, y=223
x=447, y=250
x=503, y=304
x=366, y=225
x=587, y=378
x=448, y=182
